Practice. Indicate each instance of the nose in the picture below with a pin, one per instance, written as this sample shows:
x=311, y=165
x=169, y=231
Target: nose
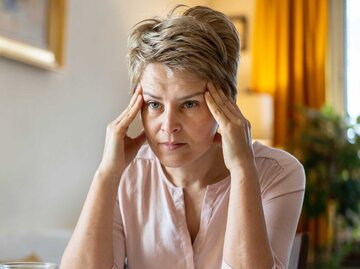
x=170, y=123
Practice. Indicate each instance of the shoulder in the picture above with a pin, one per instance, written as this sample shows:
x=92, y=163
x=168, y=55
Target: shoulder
x=145, y=154
x=140, y=187
x=143, y=172
x=279, y=157
x=143, y=162
x=279, y=171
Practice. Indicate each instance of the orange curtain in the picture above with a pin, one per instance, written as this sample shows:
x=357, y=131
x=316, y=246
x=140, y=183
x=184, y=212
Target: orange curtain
x=289, y=51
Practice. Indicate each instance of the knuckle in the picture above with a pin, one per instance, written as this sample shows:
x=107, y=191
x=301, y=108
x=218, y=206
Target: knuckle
x=231, y=127
x=243, y=123
x=218, y=111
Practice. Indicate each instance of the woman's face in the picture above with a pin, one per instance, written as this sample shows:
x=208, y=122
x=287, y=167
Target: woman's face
x=178, y=124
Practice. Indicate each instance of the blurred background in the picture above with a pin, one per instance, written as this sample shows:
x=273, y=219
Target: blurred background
x=63, y=78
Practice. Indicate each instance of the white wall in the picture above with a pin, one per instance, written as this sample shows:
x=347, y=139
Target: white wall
x=53, y=123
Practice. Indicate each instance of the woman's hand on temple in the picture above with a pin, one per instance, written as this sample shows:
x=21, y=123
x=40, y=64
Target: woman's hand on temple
x=120, y=149
x=235, y=129
x=91, y=245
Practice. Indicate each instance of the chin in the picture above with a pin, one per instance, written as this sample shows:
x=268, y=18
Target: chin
x=173, y=161
x=180, y=158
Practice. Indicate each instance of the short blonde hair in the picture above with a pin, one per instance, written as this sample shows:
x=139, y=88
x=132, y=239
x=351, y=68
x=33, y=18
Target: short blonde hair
x=200, y=40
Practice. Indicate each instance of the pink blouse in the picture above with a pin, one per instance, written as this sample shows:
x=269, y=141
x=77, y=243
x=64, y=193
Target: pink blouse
x=150, y=228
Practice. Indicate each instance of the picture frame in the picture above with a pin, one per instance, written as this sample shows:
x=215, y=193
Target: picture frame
x=33, y=32
x=241, y=25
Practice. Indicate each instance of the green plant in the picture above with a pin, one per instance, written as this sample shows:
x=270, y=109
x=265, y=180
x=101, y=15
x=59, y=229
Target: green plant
x=328, y=145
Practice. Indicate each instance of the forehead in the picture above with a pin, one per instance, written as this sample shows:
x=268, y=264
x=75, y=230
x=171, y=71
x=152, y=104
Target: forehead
x=159, y=78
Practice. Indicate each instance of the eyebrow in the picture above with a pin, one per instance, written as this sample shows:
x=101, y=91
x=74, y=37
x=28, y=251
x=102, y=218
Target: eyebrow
x=181, y=98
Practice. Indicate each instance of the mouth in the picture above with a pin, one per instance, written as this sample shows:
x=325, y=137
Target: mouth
x=171, y=145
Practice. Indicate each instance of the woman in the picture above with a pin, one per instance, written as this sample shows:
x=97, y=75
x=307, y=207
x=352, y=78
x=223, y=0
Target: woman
x=191, y=197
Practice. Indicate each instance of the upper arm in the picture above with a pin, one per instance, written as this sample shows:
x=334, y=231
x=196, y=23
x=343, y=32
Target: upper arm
x=282, y=213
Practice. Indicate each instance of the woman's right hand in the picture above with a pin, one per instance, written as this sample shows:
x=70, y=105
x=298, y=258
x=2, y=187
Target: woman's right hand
x=120, y=149
x=91, y=245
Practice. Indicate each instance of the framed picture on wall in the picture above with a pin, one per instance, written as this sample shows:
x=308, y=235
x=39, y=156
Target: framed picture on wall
x=33, y=31
x=240, y=23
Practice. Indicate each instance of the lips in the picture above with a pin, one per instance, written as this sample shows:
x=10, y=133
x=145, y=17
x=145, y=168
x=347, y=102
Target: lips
x=171, y=145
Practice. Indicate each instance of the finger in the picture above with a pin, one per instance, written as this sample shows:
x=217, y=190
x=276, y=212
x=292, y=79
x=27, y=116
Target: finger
x=129, y=117
x=235, y=109
x=222, y=103
x=218, y=139
x=137, y=92
x=131, y=104
x=238, y=110
x=222, y=95
x=213, y=91
x=132, y=146
x=215, y=110
x=140, y=139
x=231, y=105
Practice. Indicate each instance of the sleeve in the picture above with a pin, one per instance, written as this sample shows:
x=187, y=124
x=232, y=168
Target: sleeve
x=118, y=239
x=282, y=205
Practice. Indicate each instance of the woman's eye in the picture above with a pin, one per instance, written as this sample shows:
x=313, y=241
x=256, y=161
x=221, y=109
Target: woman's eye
x=190, y=104
x=154, y=105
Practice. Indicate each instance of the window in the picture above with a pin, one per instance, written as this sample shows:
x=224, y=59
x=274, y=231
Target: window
x=353, y=58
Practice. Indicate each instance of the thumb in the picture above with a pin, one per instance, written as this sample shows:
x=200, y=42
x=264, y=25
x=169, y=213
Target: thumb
x=132, y=148
x=218, y=139
x=140, y=139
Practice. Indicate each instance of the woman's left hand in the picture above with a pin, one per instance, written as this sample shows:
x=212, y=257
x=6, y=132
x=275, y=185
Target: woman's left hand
x=235, y=129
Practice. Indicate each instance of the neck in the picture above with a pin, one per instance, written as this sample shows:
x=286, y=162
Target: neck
x=208, y=169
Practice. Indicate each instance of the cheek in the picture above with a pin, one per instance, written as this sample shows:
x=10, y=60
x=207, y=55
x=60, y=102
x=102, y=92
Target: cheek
x=205, y=126
x=144, y=119
x=147, y=121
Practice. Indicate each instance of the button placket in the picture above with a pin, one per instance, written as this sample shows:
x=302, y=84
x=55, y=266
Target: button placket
x=206, y=212
x=178, y=198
